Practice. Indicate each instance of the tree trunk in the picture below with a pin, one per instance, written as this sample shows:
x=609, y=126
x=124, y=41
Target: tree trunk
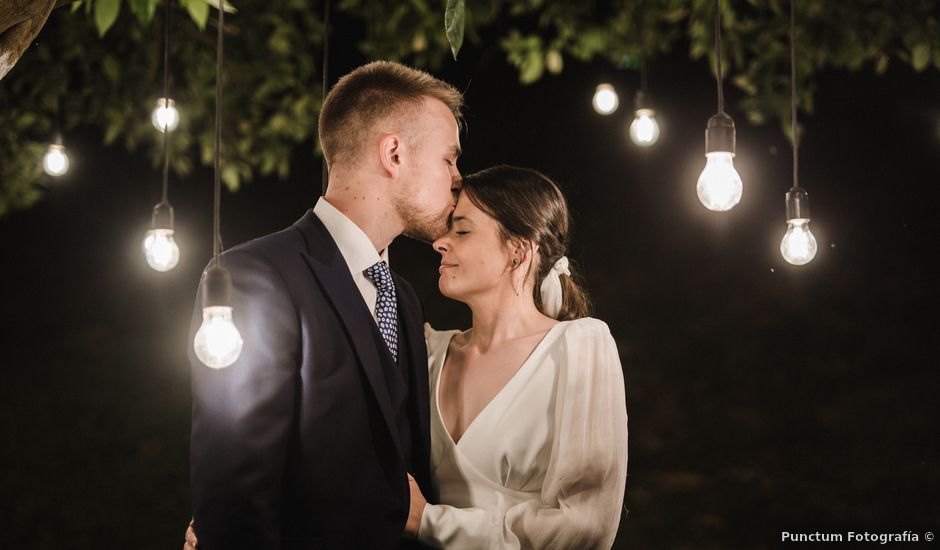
x=20, y=22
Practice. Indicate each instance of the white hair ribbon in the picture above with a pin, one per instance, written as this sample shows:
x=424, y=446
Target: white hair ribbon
x=550, y=290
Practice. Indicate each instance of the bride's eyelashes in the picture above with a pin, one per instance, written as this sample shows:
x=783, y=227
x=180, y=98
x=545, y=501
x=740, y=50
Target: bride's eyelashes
x=461, y=233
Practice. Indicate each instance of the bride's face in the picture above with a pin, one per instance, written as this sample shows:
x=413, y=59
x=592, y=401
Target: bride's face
x=475, y=259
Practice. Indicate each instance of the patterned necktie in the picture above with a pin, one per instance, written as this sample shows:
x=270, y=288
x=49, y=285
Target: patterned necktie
x=386, y=306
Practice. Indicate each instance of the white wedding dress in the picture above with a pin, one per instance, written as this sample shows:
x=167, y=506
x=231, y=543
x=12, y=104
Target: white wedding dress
x=545, y=463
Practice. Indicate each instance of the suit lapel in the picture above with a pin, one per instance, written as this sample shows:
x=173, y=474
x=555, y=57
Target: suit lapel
x=413, y=324
x=331, y=272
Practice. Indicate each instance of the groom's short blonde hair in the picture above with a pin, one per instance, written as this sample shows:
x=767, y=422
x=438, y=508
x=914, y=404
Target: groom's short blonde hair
x=370, y=94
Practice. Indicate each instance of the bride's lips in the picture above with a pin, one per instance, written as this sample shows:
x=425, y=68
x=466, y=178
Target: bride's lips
x=445, y=265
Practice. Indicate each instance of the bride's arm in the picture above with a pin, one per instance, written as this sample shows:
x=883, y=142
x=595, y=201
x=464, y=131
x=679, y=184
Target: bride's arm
x=582, y=494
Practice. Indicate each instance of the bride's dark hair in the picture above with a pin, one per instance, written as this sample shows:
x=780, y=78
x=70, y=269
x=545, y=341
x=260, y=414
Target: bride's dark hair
x=529, y=206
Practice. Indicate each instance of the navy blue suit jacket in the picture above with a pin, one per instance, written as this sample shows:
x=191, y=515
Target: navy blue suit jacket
x=294, y=445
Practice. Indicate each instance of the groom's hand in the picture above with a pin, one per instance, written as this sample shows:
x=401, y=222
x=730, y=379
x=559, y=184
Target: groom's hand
x=191, y=542
x=415, y=511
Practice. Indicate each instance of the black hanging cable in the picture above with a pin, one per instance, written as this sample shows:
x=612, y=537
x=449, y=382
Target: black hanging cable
x=166, y=104
x=216, y=233
x=793, y=124
x=642, y=20
x=721, y=96
x=326, y=81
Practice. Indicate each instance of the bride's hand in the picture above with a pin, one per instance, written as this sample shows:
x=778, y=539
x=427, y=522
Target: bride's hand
x=415, y=511
x=191, y=542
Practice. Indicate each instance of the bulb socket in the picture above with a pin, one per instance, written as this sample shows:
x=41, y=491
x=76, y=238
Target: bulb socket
x=162, y=216
x=641, y=100
x=216, y=287
x=797, y=204
x=719, y=134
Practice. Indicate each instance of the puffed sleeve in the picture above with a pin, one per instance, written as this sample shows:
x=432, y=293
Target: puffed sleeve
x=582, y=494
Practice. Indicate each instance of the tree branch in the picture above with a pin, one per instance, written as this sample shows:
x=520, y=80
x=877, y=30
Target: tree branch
x=20, y=22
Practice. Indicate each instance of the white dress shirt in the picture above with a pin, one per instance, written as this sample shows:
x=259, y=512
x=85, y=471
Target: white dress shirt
x=355, y=246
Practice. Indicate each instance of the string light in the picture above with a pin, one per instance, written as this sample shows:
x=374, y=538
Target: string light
x=165, y=117
x=644, y=130
x=605, y=99
x=719, y=187
x=55, y=161
x=217, y=343
x=160, y=248
x=798, y=245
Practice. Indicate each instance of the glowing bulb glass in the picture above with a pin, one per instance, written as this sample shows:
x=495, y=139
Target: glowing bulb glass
x=217, y=343
x=55, y=162
x=644, y=131
x=605, y=99
x=719, y=187
x=161, y=250
x=798, y=245
x=165, y=115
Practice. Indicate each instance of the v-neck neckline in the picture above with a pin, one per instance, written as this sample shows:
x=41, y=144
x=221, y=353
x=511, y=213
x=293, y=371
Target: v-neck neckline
x=502, y=390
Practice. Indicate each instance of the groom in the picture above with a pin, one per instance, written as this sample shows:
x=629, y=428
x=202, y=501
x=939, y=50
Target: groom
x=307, y=439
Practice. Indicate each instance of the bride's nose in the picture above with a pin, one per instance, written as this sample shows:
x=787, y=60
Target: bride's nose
x=441, y=245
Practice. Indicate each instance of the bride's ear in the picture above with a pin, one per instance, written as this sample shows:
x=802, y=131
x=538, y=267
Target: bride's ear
x=529, y=251
x=522, y=251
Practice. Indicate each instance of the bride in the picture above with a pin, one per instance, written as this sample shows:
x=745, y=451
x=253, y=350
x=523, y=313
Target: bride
x=528, y=421
x=528, y=415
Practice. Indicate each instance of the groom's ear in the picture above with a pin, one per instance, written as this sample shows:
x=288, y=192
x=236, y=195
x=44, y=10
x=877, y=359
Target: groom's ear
x=389, y=151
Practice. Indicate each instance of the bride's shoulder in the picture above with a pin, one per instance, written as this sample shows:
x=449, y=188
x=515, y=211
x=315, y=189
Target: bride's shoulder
x=586, y=326
x=437, y=339
x=587, y=333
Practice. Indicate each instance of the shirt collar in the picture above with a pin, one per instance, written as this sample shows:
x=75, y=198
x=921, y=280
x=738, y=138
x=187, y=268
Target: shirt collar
x=353, y=243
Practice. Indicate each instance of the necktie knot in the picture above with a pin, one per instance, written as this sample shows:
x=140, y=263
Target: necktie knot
x=380, y=276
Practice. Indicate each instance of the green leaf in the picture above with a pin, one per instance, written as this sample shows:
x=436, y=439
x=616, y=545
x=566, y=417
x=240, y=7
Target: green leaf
x=144, y=10
x=920, y=56
x=75, y=5
x=531, y=68
x=554, y=62
x=199, y=12
x=106, y=12
x=230, y=177
x=454, y=18
x=229, y=8
x=111, y=68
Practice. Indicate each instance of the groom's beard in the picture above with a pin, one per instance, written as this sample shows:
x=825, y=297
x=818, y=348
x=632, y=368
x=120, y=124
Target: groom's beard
x=426, y=229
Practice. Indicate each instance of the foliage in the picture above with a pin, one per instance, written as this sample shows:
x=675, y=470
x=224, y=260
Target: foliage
x=272, y=90
x=100, y=64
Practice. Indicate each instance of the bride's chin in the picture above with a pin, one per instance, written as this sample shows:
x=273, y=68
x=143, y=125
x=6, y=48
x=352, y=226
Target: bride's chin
x=445, y=291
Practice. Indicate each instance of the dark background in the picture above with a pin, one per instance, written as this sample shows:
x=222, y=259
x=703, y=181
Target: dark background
x=762, y=397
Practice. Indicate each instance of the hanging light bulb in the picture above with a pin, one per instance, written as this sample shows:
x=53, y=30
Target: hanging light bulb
x=160, y=247
x=644, y=130
x=218, y=342
x=798, y=245
x=55, y=162
x=605, y=99
x=719, y=187
x=165, y=115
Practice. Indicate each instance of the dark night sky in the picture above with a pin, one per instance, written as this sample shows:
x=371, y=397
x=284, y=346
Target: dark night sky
x=762, y=397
